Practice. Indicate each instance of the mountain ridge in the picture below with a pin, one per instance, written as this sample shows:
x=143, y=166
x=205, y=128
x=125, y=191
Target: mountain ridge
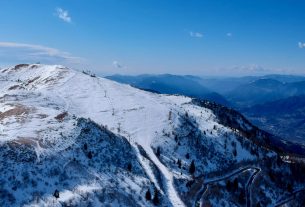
x=98, y=142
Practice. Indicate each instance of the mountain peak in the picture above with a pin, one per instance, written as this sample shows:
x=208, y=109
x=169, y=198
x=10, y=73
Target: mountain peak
x=33, y=76
x=26, y=67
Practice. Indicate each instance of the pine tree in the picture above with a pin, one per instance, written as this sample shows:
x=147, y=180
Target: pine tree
x=158, y=151
x=192, y=167
x=187, y=156
x=90, y=155
x=176, y=138
x=156, y=200
x=228, y=185
x=119, y=127
x=56, y=194
x=235, y=184
x=148, y=195
x=234, y=152
x=289, y=188
x=179, y=163
x=129, y=167
x=85, y=146
x=242, y=197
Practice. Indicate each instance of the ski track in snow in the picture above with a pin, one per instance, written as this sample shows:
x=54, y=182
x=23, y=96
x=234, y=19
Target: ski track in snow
x=171, y=192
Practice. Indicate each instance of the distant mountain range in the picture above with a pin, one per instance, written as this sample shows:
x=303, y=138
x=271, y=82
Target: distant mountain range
x=264, y=90
x=172, y=84
x=273, y=102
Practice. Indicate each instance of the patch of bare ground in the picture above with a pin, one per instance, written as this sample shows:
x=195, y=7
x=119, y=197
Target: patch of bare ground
x=14, y=87
x=54, y=79
x=20, y=66
x=18, y=110
x=42, y=116
x=41, y=144
x=5, y=97
x=17, y=97
x=32, y=80
x=8, y=97
x=28, y=141
x=3, y=71
x=48, y=80
x=34, y=66
x=60, y=117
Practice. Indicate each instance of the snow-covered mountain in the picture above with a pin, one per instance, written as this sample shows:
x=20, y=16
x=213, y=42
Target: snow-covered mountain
x=72, y=139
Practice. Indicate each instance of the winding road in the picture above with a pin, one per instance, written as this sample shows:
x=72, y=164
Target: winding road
x=248, y=186
x=286, y=200
x=202, y=191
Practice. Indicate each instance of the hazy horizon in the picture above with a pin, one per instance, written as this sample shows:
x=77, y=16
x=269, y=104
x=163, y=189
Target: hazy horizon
x=201, y=75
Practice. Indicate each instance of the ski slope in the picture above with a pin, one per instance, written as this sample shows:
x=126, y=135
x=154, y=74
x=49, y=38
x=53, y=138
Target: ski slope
x=44, y=92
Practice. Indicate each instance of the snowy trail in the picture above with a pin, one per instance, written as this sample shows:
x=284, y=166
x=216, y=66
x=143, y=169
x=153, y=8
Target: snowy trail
x=147, y=168
x=171, y=191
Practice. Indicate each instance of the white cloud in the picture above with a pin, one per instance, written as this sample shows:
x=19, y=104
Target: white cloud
x=196, y=34
x=63, y=15
x=229, y=34
x=116, y=64
x=31, y=52
x=301, y=45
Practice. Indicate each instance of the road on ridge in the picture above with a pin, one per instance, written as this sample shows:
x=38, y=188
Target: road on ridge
x=292, y=197
x=236, y=172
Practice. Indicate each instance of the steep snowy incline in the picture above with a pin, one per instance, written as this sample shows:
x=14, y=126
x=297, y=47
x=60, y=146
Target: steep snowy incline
x=62, y=93
x=127, y=111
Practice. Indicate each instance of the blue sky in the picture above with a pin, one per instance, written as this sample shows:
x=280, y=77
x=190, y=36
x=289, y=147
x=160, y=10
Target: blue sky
x=236, y=37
